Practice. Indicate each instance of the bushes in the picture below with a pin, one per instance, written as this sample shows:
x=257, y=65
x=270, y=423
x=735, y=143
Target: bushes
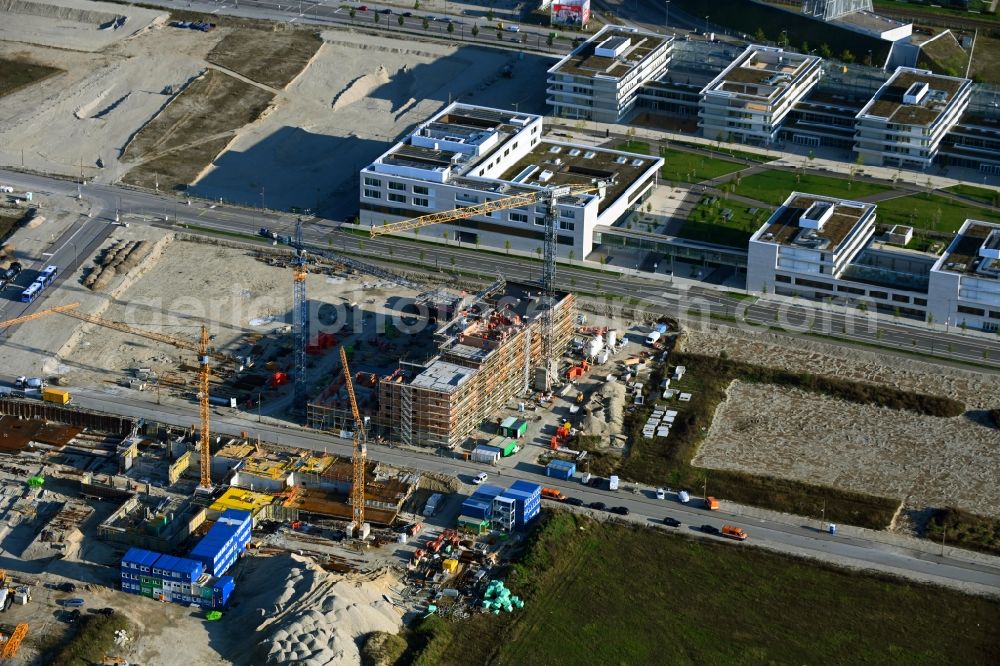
x=382, y=649
x=964, y=529
x=94, y=638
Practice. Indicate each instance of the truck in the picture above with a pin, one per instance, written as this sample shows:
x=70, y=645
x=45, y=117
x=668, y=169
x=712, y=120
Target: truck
x=733, y=532
x=612, y=482
x=57, y=396
x=711, y=504
x=23, y=382
x=433, y=503
x=553, y=494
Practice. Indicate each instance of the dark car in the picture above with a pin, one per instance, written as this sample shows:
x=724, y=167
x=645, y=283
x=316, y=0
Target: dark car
x=385, y=11
x=671, y=522
x=573, y=501
x=105, y=611
x=71, y=616
x=66, y=587
x=708, y=529
x=407, y=14
x=599, y=506
x=620, y=510
x=363, y=8
x=11, y=272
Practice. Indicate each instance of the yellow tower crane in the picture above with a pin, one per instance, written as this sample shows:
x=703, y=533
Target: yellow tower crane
x=200, y=347
x=549, y=196
x=359, y=457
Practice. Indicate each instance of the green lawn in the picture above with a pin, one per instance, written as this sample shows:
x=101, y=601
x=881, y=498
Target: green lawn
x=773, y=187
x=610, y=593
x=980, y=194
x=632, y=146
x=932, y=212
x=976, y=10
x=708, y=222
x=682, y=166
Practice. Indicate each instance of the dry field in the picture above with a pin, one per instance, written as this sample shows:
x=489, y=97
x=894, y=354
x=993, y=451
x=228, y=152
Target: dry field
x=923, y=460
x=978, y=390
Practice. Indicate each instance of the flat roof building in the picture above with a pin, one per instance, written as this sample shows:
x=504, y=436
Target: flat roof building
x=749, y=100
x=965, y=281
x=904, y=123
x=467, y=155
x=600, y=79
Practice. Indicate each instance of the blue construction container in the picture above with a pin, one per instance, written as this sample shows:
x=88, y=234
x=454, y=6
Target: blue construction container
x=179, y=569
x=560, y=469
x=225, y=541
x=528, y=501
x=221, y=591
x=477, y=508
x=139, y=559
x=487, y=493
x=526, y=487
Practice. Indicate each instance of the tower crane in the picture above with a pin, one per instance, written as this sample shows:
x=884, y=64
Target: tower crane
x=359, y=456
x=200, y=347
x=300, y=319
x=549, y=197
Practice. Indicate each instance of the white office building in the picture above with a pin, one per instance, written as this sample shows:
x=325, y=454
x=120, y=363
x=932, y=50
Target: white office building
x=904, y=123
x=601, y=78
x=965, y=282
x=467, y=155
x=750, y=99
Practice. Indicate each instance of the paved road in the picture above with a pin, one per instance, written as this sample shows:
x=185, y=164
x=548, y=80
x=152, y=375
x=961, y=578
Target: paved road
x=794, y=536
x=696, y=305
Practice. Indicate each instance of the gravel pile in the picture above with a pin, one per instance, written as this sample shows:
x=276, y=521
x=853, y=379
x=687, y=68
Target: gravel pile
x=306, y=616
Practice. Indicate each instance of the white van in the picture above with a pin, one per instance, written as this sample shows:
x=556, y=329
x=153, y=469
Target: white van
x=652, y=337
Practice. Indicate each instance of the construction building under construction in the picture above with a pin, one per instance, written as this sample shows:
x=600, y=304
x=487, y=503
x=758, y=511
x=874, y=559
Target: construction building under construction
x=487, y=353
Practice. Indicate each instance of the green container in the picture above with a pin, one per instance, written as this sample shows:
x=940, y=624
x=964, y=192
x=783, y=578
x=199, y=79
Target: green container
x=205, y=593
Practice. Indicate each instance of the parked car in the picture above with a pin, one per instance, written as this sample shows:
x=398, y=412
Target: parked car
x=73, y=603
x=71, y=616
x=573, y=501
x=407, y=14
x=480, y=478
x=708, y=529
x=620, y=510
x=597, y=506
x=661, y=493
x=385, y=11
x=671, y=522
x=66, y=587
x=105, y=611
x=683, y=497
x=513, y=28
x=363, y=8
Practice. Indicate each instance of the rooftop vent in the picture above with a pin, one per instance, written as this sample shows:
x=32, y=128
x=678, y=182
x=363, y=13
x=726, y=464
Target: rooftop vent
x=589, y=155
x=574, y=153
x=637, y=163
x=816, y=215
x=621, y=159
x=545, y=176
x=916, y=92
x=555, y=149
x=990, y=248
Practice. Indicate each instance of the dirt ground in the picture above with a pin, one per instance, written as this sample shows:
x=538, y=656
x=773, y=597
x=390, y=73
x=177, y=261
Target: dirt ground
x=923, y=460
x=357, y=97
x=978, y=390
x=74, y=25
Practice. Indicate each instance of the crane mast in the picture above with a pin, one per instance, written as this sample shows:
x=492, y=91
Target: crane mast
x=300, y=320
x=359, y=456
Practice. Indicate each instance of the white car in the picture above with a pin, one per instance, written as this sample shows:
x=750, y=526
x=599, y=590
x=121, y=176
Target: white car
x=683, y=497
x=480, y=478
x=513, y=28
x=661, y=493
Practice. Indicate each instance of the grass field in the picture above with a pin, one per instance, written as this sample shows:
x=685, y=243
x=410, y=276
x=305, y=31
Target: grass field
x=932, y=212
x=773, y=187
x=286, y=53
x=957, y=527
x=16, y=74
x=708, y=222
x=94, y=638
x=609, y=593
x=181, y=141
x=980, y=194
x=977, y=9
x=727, y=152
x=682, y=166
x=986, y=58
x=945, y=56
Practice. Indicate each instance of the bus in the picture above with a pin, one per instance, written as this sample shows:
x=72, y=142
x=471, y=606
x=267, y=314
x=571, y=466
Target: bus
x=29, y=294
x=47, y=276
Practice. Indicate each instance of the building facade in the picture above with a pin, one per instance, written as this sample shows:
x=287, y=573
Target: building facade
x=965, y=281
x=467, y=155
x=748, y=102
x=904, y=124
x=601, y=78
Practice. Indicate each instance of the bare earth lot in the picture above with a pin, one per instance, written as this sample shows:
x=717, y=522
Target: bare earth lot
x=927, y=461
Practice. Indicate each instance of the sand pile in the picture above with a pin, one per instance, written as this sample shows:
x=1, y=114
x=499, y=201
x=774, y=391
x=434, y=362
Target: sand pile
x=306, y=616
x=118, y=259
x=606, y=412
x=361, y=87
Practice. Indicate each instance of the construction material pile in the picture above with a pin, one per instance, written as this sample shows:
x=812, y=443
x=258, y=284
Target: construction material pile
x=118, y=259
x=498, y=597
x=301, y=614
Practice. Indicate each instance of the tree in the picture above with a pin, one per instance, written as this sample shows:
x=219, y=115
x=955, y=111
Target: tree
x=489, y=14
x=422, y=255
x=847, y=56
x=500, y=35
x=824, y=50
x=506, y=246
x=760, y=37
x=572, y=256
x=361, y=245
x=426, y=24
x=352, y=13
x=378, y=17
x=416, y=4
x=444, y=235
x=805, y=47
x=475, y=30
x=538, y=251
x=551, y=38
x=783, y=39
x=451, y=28
x=400, y=20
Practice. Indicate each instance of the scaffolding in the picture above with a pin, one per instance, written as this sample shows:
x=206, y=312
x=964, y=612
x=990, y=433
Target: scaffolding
x=828, y=10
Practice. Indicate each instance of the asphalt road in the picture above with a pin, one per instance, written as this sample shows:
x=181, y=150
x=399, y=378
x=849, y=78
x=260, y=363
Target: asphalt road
x=794, y=536
x=693, y=305
x=140, y=207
